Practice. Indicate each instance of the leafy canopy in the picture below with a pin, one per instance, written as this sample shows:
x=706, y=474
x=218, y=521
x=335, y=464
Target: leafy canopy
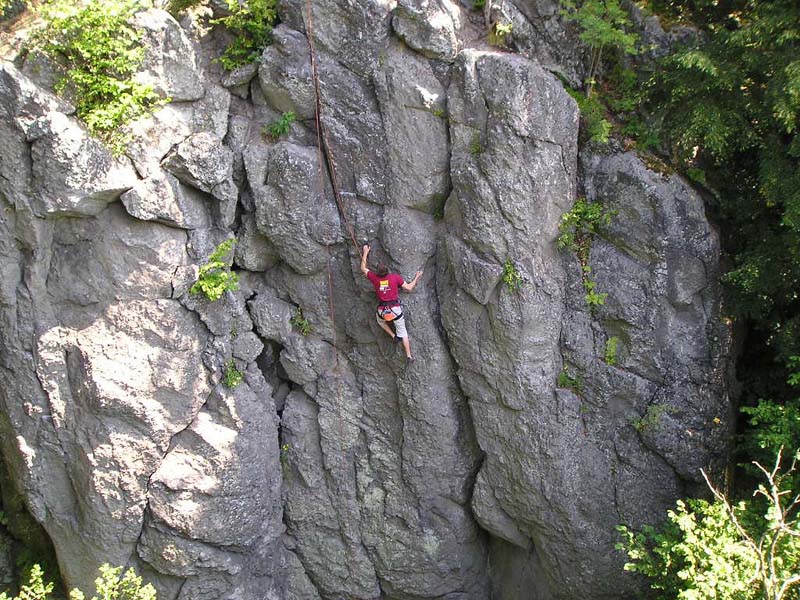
x=98, y=52
x=251, y=24
x=604, y=24
x=719, y=550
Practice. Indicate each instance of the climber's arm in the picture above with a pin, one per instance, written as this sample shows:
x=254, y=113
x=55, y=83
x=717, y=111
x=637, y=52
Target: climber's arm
x=364, y=253
x=409, y=287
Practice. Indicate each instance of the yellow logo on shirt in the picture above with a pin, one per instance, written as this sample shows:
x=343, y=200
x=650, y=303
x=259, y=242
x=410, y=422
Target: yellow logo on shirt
x=384, y=285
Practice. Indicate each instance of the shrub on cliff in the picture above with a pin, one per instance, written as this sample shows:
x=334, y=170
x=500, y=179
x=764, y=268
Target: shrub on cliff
x=110, y=586
x=251, y=23
x=98, y=52
x=744, y=551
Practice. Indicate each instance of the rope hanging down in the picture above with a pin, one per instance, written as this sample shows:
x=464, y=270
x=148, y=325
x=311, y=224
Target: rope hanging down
x=321, y=130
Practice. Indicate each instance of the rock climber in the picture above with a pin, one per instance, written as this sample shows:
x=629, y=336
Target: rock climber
x=390, y=309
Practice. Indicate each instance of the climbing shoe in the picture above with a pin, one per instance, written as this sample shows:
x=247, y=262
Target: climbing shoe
x=410, y=359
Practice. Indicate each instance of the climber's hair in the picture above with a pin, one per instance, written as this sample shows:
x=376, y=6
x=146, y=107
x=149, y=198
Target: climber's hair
x=382, y=270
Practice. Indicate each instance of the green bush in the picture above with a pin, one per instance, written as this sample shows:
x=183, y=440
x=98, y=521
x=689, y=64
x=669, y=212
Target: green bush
x=252, y=25
x=233, y=376
x=299, y=322
x=498, y=33
x=511, y=276
x=724, y=551
x=109, y=585
x=280, y=127
x=215, y=277
x=176, y=6
x=612, y=350
x=98, y=52
x=604, y=25
x=652, y=417
x=475, y=145
x=566, y=381
x=576, y=230
x=595, y=126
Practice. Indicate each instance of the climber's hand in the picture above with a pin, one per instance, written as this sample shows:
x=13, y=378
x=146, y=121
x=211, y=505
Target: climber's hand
x=365, y=249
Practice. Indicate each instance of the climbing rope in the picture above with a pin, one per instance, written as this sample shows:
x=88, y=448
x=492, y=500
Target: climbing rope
x=322, y=132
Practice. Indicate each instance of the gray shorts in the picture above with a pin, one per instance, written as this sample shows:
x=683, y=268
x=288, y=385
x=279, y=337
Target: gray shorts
x=399, y=321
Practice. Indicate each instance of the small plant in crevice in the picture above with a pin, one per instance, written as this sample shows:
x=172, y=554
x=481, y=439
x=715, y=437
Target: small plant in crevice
x=284, y=458
x=568, y=382
x=478, y=4
x=215, y=277
x=652, y=417
x=578, y=227
x=252, y=24
x=612, y=351
x=299, y=322
x=594, y=125
x=439, y=201
x=279, y=128
x=498, y=33
x=511, y=276
x=604, y=25
x=475, y=147
x=176, y=6
x=233, y=376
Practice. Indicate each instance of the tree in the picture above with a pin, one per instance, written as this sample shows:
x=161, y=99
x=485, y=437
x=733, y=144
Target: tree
x=724, y=551
x=603, y=25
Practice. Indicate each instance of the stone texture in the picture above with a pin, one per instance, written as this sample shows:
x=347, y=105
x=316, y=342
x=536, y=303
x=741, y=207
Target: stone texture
x=430, y=26
x=335, y=470
x=292, y=211
x=170, y=65
x=72, y=172
x=162, y=198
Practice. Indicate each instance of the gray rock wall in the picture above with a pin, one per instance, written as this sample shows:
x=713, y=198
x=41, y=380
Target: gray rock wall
x=335, y=470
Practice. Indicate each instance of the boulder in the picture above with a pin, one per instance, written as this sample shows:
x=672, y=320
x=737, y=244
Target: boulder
x=162, y=198
x=170, y=65
x=432, y=27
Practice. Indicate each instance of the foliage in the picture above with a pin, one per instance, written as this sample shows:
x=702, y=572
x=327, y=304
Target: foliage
x=279, y=128
x=724, y=551
x=596, y=127
x=34, y=589
x=215, y=277
x=109, y=585
x=284, y=458
x=612, y=350
x=176, y=6
x=478, y=4
x=98, y=51
x=603, y=24
x=299, y=322
x=233, y=376
x=252, y=24
x=439, y=202
x=498, y=33
x=511, y=276
x=576, y=230
x=566, y=381
x=652, y=417
x=475, y=146
x=731, y=107
x=775, y=425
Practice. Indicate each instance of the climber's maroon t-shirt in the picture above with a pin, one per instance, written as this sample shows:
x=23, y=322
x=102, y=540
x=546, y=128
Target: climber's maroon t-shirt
x=386, y=287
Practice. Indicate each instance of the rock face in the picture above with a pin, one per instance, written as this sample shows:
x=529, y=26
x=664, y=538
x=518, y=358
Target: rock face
x=333, y=469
